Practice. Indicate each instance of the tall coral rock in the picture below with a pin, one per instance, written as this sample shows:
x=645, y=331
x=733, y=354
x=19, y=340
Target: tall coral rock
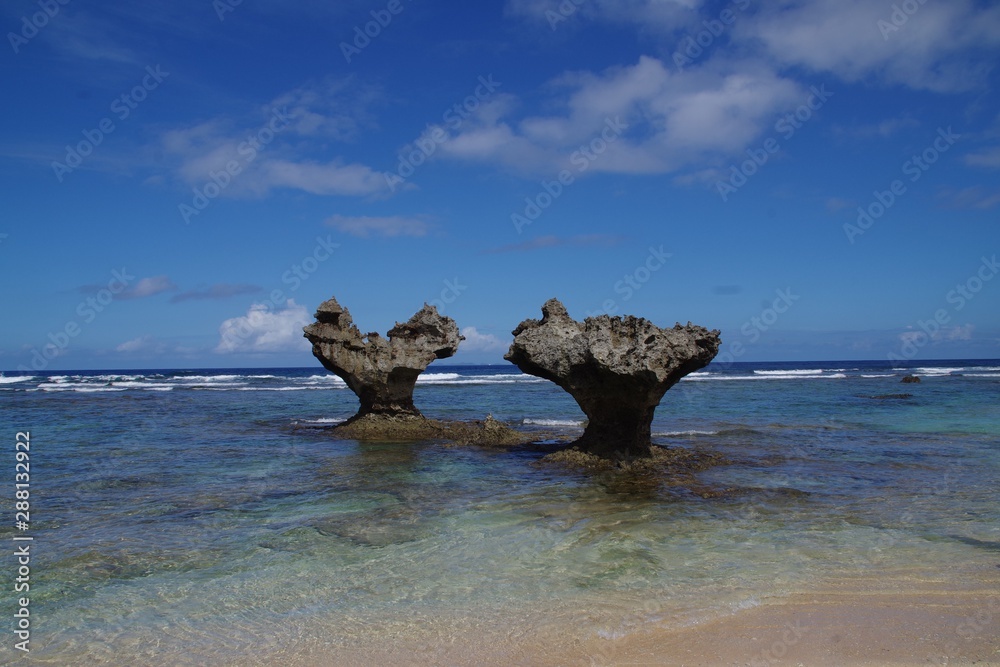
x=617, y=369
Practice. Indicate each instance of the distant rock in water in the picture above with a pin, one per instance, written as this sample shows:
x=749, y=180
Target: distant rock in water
x=909, y=379
x=617, y=369
x=382, y=372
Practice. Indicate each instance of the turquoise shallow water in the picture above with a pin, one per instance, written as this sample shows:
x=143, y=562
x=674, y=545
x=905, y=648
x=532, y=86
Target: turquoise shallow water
x=202, y=518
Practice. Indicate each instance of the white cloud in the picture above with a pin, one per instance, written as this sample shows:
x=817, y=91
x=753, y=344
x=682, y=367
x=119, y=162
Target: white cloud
x=942, y=46
x=553, y=241
x=265, y=330
x=973, y=197
x=87, y=37
x=331, y=109
x=660, y=15
x=478, y=342
x=988, y=158
x=882, y=129
x=919, y=338
x=148, y=287
x=959, y=332
x=387, y=226
x=145, y=343
x=938, y=47
x=643, y=117
x=216, y=291
x=274, y=150
x=331, y=178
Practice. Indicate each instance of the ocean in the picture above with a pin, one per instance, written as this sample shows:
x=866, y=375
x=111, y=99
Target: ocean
x=204, y=517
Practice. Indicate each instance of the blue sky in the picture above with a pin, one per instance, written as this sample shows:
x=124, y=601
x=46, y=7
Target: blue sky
x=184, y=182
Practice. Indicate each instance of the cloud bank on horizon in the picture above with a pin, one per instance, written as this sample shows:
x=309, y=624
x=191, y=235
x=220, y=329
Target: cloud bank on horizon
x=817, y=179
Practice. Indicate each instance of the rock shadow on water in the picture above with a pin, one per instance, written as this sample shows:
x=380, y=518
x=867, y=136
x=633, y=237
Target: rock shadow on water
x=671, y=473
x=668, y=471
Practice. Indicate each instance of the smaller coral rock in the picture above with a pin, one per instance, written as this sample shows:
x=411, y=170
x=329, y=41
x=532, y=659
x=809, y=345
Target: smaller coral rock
x=381, y=371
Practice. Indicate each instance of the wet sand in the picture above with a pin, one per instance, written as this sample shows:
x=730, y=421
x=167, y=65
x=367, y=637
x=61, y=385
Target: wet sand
x=834, y=628
x=857, y=622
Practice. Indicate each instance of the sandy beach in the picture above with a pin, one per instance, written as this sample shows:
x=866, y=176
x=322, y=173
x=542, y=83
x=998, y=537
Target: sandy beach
x=921, y=626
x=897, y=620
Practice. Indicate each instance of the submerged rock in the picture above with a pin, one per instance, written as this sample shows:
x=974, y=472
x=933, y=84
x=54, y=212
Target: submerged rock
x=408, y=428
x=910, y=379
x=616, y=368
x=381, y=371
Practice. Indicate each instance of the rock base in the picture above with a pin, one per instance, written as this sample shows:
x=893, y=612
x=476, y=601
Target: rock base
x=405, y=428
x=661, y=459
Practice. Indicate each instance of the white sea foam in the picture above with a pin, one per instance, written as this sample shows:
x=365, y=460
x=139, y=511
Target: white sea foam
x=79, y=388
x=210, y=378
x=12, y=380
x=431, y=378
x=879, y=375
x=456, y=378
x=669, y=434
x=748, y=603
x=323, y=420
x=808, y=371
x=552, y=422
x=938, y=371
x=766, y=377
x=130, y=384
x=305, y=388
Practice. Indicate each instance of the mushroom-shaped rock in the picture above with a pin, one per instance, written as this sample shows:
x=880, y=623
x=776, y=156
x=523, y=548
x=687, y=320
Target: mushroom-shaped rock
x=381, y=371
x=617, y=369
